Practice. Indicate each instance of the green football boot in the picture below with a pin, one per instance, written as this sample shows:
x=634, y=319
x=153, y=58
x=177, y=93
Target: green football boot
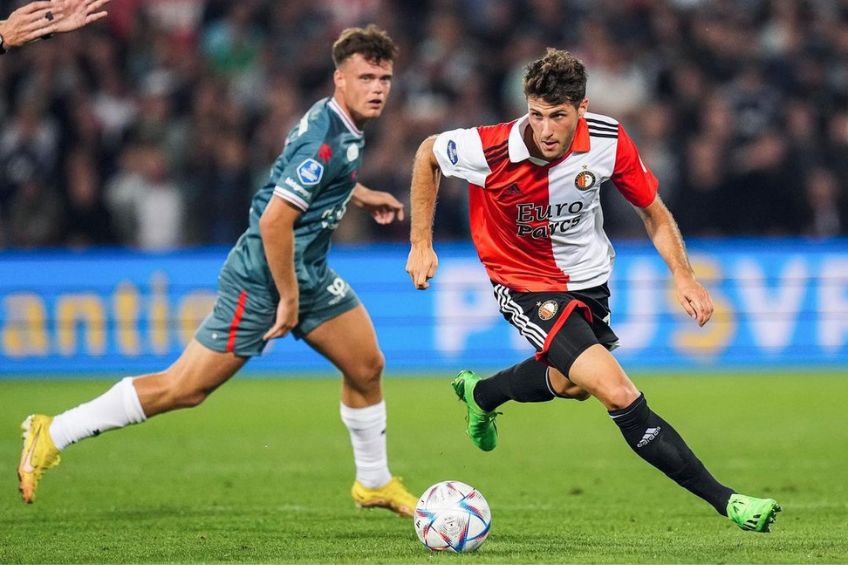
x=752, y=514
x=481, y=424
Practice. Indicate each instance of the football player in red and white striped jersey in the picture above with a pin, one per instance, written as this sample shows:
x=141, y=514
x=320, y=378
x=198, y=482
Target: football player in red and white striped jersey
x=536, y=221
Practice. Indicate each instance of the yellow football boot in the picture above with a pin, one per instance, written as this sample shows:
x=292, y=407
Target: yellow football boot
x=392, y=495
x=38, y=455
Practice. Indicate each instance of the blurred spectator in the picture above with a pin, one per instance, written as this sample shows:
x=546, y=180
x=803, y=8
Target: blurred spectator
x=87, y=217
x=223, y=190
x=752, y=103
x=232, y=47
x=119, y=193
x=763, y=202
x=741, y=109
x=147, y=201
x=28, y=146
x=837, y=147
x=36, y=214
x=698, y=207
x=156, y=124
x=113, y=106
x=823, y=198
x=617, y=85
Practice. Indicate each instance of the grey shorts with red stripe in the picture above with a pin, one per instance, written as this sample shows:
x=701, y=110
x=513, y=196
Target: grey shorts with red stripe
x=245, y=310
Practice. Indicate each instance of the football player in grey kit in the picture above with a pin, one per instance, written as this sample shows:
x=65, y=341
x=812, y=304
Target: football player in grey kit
x=276, y=280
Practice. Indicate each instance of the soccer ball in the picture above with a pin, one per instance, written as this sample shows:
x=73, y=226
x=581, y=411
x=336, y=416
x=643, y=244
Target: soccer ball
x=452, y=516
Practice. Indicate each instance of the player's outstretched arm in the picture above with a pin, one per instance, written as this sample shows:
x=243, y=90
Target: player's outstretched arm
x=382, y=206
x=666, y=237
x=422, y=261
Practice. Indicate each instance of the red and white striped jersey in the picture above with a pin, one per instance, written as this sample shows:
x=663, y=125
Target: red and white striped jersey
x=538, y=225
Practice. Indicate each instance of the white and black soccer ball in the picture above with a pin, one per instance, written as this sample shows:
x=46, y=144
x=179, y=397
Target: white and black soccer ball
x=452, y=516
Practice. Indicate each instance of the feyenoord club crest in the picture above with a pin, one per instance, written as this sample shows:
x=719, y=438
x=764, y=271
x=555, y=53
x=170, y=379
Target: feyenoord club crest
x=585, y=180
x=548, y=309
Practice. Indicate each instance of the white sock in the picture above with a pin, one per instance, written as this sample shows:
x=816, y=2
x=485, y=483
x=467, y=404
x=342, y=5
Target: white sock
x=117, y=407
x=367, y=427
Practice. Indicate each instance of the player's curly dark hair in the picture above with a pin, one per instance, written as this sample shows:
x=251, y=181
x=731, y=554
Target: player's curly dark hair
x=373, y=43
x=557, y=77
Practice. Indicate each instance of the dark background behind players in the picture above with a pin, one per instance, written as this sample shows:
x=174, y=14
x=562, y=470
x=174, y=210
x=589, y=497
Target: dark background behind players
x=154, y=128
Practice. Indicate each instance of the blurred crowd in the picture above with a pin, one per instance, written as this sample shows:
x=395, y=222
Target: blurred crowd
x=154, y=128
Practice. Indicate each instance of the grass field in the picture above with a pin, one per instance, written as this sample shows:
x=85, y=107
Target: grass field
x=261, y=473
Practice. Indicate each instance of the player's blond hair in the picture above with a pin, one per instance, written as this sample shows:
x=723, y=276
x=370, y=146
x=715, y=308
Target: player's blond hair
x=373, y=43
x=557, y=77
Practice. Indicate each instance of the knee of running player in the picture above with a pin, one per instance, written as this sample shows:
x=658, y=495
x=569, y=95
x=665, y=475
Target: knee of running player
x=576, y=352
x=598, y=372
x=364, y=375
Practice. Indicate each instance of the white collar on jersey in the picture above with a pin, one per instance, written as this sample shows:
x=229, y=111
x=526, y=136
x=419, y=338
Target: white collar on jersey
x=348, y=121
x=517, y=148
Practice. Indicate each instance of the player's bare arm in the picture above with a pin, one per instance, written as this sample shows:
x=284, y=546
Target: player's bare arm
x=36, y=20
x=277, y=229
x=382, y=206
x=666, y=237
x=426, y=174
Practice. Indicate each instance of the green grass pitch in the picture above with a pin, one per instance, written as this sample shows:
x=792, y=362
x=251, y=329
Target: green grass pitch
x=261, y=474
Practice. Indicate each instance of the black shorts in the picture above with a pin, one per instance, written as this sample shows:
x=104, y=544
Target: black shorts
x=546, y=320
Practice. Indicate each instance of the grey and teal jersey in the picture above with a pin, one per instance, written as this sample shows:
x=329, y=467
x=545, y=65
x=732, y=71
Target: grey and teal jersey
x=316, y=173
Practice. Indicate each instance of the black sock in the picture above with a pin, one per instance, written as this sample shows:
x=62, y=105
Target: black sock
x=655, y=441
x=524, y=382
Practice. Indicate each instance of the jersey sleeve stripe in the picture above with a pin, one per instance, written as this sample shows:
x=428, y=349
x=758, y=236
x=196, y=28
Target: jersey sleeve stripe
x=603, y=129
x=289, y=197
x=601, y=122
x=491, y=159
x=607, y=135
x=496, y=148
